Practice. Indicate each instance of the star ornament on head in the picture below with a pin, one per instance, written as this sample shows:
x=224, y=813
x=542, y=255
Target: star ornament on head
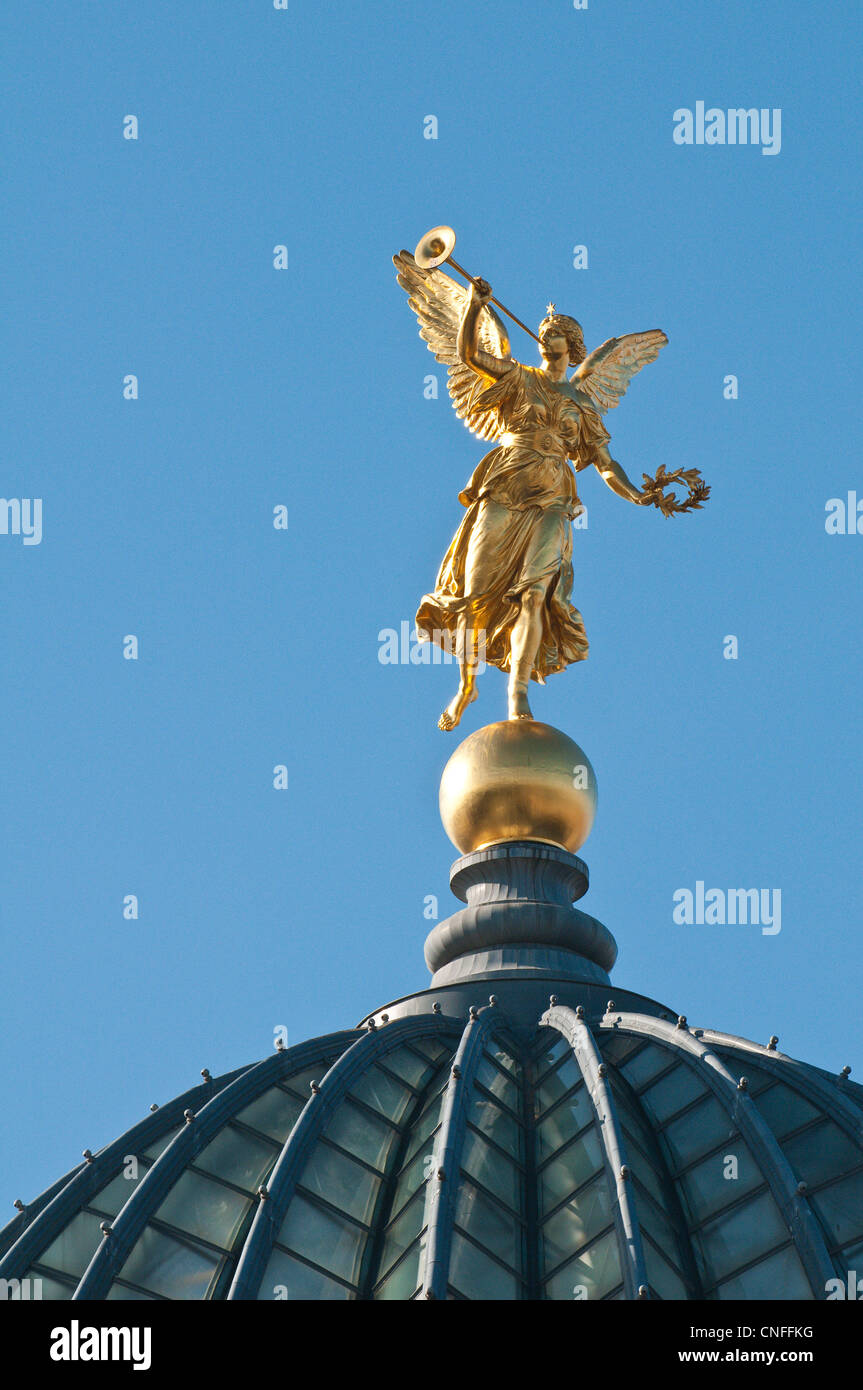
x=549, y=310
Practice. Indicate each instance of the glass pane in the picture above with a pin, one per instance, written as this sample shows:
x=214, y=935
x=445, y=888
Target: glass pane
x=506, y=1061
x=421, y=1139
x=342, y=1182
x=616, y=1047
x=666, y=1097
x=404, y=1280
x=286, y=1279
x=434, y=1050
x=661, y=1277
x=565, y=1121
x=323, y=1237
x=274, y=1113
x=493, y=1227
x=38, y=1287
x=495, y=1124
x=158, y=1146
x=502, y=1087
x=115, y=1194
x=592, y=1274
x=75, y=1246
x=238, y=1158
x=784, y=1109
x=701, y=1129
x=736, y=1238
x=412, y=1178
x=119, y=1293
x=840, y=1208
x=171, y=1267
x=300, y=1082
x=556, y=1048
x=717, y=1181
x=383, y=1093
x=557, y=1084
x=780, y=1277
x=655, y=1221
x=822, y=1153
x=204, y=1208
x=643, y=1066
x=403, y=1232
x=361, y=1134
x=578, y=1222
x=413, y=1069
x=476, y=1275
x=569, y=1169
x=491, y=1169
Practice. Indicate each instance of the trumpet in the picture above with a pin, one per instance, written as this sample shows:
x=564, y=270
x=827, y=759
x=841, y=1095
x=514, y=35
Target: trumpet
x=435, y=249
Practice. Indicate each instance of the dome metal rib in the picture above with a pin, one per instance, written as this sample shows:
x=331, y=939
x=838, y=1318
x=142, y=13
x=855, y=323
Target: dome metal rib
x=117, y=1244
x=827, y=1095
x=743, y=1110
x=580, y=1038
x=368, y=1048
x=88, y=1178
x=444, y=1181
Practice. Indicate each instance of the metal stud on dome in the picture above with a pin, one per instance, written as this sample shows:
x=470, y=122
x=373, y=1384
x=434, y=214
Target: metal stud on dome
x=456, y=1070
x=552, y=999
x=773, y=1043
x=681, y=1022
x=88, y=1155
x=435, y=1008
x=314, y=1087
x=609, y=1008
x=643, y=1291
x=205, y=1072
x=105, y=1227
x=153, y=1108
x=385, y=1018
x=846, y=1071
x=18, y=1204
x=472, y=1013
x=188, y=1116
x=579, y=1011
x=743, y=1083
x=492, y=999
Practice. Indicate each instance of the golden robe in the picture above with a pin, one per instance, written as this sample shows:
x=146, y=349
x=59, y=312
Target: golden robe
x=517, y=532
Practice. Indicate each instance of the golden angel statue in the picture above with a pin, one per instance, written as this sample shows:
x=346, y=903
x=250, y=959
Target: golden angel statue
x=505, y=582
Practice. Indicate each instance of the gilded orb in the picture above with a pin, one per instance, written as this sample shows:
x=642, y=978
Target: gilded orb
x=518, y=780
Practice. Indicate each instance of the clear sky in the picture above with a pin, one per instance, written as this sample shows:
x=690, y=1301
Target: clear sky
x=303, y=387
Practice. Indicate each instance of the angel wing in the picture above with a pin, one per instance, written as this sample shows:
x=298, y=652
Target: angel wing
x=439, y=303
x=609, y=369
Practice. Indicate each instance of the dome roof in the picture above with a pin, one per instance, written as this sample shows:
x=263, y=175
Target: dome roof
x=589, y=1149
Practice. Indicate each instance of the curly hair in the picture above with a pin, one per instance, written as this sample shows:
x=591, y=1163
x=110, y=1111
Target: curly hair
x=571, y=330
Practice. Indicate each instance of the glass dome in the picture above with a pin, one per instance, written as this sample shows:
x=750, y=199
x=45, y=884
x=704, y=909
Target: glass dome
x=588, y=1149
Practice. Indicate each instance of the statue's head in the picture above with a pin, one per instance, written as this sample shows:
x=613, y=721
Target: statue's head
x=557, y=329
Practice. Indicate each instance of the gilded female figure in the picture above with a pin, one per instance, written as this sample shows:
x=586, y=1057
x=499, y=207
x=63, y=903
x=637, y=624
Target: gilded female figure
x=503, y=590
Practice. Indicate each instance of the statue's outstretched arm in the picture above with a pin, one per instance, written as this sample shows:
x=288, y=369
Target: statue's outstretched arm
x=467, y=343
x=614, y=477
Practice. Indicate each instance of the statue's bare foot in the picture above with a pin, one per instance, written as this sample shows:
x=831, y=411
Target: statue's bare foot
x=519, y=707
x=456, y=708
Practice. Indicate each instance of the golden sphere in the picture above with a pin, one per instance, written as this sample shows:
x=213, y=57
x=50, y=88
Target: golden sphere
x=518, y=780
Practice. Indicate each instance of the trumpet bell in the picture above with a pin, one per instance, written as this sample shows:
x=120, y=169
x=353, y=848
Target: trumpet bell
x=435, y=248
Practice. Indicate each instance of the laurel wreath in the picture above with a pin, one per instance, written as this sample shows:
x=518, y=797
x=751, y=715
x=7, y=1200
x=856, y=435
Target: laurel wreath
x=667, y=502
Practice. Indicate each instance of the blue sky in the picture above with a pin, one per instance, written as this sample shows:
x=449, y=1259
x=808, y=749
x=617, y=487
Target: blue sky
x=304, y=387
